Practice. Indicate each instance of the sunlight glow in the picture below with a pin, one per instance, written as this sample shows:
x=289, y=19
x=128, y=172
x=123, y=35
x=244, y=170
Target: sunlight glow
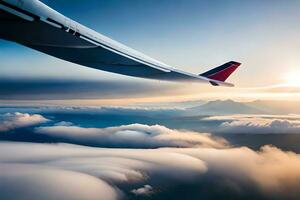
x=292, y=78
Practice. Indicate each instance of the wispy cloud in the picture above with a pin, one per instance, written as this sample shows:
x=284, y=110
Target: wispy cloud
x=68, y=89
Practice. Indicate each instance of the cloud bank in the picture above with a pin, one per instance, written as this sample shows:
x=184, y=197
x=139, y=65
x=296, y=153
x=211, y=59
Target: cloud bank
x=131, y=136
x=145, y=162
x=29, y=181
x=129, y=173
x=55, y=89
x=10, y=121
x=114, y=168
x=261, y=124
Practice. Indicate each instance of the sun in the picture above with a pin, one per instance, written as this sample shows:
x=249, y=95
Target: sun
x=292, y=78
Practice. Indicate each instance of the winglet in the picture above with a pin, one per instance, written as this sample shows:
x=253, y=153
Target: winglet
x=221, y=73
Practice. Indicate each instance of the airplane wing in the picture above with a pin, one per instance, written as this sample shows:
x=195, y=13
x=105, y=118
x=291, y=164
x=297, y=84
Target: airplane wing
x=37, y=26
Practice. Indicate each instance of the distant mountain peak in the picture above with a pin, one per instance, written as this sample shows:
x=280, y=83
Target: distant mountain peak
x=227, y=101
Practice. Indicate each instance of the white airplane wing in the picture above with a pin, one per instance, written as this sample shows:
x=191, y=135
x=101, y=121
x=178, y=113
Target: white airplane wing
x=35, y=25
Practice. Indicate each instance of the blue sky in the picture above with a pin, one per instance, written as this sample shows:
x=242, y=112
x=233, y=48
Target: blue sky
x=190, y=35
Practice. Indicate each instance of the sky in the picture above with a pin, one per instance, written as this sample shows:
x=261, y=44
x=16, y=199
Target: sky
x=190, y=35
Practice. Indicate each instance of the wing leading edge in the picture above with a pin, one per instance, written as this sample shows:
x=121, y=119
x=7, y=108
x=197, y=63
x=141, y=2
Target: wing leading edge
x=35, y=25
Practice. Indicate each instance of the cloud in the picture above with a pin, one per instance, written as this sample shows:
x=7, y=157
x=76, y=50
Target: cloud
x=145, y=190
x=281, y=88
x=192, y=173
x=257, y=123
x=55, y=89
x=131, y=136
x=27, y=181
x=273, y=171
x=115, y=167
x=206, y=168
x=63, y=123
x=10, y=121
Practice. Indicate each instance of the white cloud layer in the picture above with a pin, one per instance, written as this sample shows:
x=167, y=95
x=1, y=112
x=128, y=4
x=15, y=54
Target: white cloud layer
x=132, y=136
x=110, y=166
x=10, y=121
x=27, y=182
x=257, y=123
x=205, y=167
x=41, y=169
